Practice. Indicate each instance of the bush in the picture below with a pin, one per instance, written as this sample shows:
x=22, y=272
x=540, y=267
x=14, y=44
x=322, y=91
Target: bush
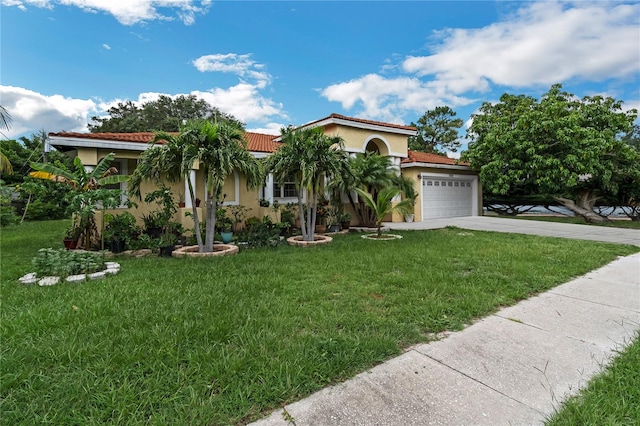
x=63, y=262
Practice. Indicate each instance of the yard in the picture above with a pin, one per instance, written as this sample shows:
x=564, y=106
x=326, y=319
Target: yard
x=225, y=340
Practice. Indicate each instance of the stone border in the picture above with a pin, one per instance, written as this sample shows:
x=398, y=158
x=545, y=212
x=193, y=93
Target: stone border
x=383, y=237
x=318, y=240
x=32, y=278
x=193, y=251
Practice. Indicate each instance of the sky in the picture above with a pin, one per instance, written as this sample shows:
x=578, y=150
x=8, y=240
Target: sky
x=276, y=63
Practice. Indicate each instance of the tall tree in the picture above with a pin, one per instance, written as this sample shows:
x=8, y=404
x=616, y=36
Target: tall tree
x=563, y=146
x=5, y=121
x=163, y=114
x=309, y=156
x=222, y=150
x=172, y=161
x=437, y=131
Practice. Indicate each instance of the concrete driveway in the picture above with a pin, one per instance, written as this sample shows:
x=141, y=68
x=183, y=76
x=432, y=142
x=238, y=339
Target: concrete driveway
x=531, y=227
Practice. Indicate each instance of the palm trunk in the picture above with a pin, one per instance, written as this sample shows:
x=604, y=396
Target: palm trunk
x=196, y=220
x=211, y=223
x=301, y=212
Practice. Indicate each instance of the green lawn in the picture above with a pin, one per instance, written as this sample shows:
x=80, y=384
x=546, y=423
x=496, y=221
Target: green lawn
x=568, y=219
x=225, y=340
x=612, y=398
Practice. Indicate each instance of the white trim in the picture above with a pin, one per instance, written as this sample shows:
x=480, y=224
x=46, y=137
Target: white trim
x=260, y=154
x=98, y=143
x=236, y=184
x=434, y=166
x=376, y=136
x=359, y=125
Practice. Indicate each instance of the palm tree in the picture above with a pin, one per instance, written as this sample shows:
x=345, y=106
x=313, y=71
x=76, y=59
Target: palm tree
x=5, y=121
x=221, y=149
x=85, y=184
x=307, y=156
x=383, y=205
x=370, y=172
x=172, y=161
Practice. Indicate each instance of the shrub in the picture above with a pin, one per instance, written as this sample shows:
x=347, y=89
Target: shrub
x=63, y=262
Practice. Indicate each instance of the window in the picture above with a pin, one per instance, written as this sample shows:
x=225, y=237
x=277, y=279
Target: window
x=286, y=190
x=122, y=167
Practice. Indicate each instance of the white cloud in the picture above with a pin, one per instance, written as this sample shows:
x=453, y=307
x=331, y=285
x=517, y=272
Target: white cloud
x=127, y=12
x=541, y=44
x=106, y=46
x=388, y=98
x=241, y=65
x=243, y=101
x=268, y=129
x=31, y=111
x=544, y=43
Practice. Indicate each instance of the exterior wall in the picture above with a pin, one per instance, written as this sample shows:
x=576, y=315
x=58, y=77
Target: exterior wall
x=356, y=140
x=413, y=173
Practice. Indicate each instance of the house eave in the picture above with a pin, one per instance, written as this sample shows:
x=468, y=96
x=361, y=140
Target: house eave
x=367, y=126
x=97, y=143
x=434, y=166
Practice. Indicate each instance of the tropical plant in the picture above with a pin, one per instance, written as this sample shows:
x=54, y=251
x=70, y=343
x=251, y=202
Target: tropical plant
x=86, y=195
x=384, y=205
x=370, y=172
x=5, y=121
x=220, y=149
x=307, y=155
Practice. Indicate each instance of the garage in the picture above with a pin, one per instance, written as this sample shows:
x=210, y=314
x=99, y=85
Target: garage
x=446, y=196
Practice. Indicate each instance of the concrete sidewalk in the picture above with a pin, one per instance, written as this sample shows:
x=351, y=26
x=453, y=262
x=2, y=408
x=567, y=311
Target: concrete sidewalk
x=512, y=368
x=531, y=227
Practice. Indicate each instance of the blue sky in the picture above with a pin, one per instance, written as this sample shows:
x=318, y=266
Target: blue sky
x=277, y=63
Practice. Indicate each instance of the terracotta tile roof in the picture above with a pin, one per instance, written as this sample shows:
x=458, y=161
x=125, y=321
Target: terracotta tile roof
x=259, y=142
x=256, y=142
x=361, y=120
x=424, y=157
x=139, y=137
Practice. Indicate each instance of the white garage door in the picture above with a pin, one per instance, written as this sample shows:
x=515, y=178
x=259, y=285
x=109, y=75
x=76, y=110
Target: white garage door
x=446, y=197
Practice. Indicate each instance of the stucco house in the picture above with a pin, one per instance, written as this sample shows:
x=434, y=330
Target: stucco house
x=444, y=188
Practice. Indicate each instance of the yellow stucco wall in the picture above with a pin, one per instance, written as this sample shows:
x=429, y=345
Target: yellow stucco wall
x=355, y=139
x=413, y=173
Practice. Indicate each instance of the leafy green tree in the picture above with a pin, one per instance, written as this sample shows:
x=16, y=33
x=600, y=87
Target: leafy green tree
x=568, y=148
x=25, y=150
x=383, y=205
x=437, y=131
x=307, y=155
x=164, y=114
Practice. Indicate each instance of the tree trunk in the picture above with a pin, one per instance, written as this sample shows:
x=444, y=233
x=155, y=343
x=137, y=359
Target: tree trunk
x=196, y=220
x=583, y=207
x=210, y=226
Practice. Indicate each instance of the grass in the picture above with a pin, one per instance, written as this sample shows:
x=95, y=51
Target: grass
x=630, y=224
x=612, y=398
x=226, y=340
